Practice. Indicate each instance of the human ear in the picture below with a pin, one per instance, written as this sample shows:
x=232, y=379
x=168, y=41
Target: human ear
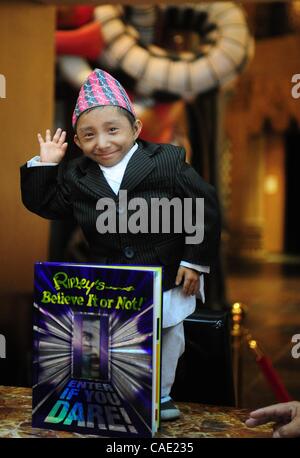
x=137, y=128
x=77, y=141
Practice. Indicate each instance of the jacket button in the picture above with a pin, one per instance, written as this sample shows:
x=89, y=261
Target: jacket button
x=129, y=252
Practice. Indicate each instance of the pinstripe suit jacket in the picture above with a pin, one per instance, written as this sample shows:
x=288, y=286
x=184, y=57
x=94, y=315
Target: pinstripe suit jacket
x=71, y=190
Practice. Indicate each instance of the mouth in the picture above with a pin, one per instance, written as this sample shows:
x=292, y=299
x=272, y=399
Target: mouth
x=104, y=155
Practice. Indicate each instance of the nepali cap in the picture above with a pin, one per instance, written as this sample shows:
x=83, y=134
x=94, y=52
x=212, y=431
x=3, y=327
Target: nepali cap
x=100, y=89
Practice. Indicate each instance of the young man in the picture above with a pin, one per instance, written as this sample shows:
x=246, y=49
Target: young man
x=115, y=160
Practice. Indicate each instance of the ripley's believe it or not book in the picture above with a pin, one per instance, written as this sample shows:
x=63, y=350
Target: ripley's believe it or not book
x=96, y=357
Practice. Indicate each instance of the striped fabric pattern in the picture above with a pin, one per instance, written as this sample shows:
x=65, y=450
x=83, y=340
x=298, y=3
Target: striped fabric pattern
x=72, y=189
x=101, y=89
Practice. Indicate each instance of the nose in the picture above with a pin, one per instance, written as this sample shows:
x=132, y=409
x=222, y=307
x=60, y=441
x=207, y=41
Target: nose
x=103, y=142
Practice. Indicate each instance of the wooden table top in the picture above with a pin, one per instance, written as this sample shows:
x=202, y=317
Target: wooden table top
x=196, y=421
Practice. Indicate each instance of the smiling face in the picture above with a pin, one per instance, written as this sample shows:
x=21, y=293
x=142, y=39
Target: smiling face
x=105, y=134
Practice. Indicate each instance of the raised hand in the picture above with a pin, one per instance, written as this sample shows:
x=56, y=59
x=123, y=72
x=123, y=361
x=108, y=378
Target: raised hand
x=55, y=149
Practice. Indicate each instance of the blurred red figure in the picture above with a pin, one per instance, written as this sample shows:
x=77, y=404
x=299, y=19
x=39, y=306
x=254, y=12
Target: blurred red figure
x=78, y=34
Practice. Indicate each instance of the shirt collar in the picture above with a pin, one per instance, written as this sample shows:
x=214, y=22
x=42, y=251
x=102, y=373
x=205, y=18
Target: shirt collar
x=123, y=162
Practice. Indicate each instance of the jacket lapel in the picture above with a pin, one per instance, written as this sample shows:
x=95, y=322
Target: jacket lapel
x=95, y=182
x=139, y=166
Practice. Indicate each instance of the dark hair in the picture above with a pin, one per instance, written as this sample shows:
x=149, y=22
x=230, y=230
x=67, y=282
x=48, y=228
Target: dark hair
x=122, y=110
x=128, y=115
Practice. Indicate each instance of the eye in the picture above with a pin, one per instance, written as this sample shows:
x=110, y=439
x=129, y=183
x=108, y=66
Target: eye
x=88, y=135
x=113, y=129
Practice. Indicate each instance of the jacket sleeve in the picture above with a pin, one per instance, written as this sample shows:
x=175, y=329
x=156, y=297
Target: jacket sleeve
x=45, y=191
x=203, y=219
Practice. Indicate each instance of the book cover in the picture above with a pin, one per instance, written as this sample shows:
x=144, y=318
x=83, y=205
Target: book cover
x=96, y=355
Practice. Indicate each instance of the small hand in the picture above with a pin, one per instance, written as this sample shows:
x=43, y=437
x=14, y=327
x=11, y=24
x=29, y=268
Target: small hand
x=55, y=149
x=190, y=279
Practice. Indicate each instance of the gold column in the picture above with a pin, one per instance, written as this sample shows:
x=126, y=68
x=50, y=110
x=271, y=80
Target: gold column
x=274, y=193
x=246, y=218
x=27, y=63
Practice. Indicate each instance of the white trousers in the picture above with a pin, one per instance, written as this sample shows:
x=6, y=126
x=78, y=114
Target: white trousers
x=172, y=348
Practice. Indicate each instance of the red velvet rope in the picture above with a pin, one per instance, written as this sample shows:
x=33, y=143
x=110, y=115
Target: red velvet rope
x=273, y=379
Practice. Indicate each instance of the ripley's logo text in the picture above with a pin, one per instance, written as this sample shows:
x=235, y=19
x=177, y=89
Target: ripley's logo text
x=296, y=348
x=2, y=87
x=2, y=346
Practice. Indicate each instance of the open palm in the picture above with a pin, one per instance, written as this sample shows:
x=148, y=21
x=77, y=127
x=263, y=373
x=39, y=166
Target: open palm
x=52, y=150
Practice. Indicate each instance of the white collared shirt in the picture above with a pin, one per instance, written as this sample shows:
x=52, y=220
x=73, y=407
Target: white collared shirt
x=114, y=174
